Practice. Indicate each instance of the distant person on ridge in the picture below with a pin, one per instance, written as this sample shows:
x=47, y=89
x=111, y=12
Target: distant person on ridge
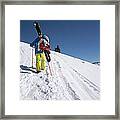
x=57, y=49
x=42, y=50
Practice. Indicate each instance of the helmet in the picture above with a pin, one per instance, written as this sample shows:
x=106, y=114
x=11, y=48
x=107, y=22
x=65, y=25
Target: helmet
x=46, y=38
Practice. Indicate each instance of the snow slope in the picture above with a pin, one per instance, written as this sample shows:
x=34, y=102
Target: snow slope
x=71, y=78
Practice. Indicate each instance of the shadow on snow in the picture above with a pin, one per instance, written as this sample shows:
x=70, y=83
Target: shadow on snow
x=27, y=69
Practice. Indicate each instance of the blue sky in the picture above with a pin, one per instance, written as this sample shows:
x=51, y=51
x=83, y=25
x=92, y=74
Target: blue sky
x=78, y=38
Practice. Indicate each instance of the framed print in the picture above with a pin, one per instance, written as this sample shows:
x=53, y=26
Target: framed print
x=59, y=59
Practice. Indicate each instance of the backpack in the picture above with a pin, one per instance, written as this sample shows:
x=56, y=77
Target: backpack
x=45, y=46
x=44, y=43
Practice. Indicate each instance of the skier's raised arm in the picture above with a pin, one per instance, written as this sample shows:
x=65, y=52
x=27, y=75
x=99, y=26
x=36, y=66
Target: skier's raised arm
x=33, y=42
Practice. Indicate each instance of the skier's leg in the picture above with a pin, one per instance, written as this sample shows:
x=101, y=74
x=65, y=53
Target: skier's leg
x=43, y=61
x=38, y=63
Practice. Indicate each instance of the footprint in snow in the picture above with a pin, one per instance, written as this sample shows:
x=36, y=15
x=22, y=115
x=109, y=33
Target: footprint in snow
x=38, y=85
x=47, y=81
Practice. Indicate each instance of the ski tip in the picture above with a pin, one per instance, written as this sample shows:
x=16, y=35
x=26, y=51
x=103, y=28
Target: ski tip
x=35, y=23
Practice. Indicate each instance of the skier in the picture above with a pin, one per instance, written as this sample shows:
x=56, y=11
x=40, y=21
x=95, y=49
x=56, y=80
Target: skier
x=57, y=49
x=42, y=51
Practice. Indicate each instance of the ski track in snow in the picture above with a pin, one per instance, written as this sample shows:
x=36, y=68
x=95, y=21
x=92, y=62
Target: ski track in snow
x=71, y=79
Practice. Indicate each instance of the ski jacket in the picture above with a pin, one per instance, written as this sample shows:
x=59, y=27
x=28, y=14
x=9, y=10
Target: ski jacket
x=40, y=45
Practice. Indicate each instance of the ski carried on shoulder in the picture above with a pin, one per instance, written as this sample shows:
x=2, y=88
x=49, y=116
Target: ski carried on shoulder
x=37, y=27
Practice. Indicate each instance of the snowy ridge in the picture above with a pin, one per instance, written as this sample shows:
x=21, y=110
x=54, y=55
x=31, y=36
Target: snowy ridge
x=71, y=79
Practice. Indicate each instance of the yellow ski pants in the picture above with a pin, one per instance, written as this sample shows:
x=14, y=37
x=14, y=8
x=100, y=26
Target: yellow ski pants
x=40, y=62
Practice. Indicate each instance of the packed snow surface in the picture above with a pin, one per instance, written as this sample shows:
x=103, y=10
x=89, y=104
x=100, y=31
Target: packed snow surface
x=65, y=78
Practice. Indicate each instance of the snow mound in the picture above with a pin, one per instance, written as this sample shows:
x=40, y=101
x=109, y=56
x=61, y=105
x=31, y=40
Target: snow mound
x=65, y=78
